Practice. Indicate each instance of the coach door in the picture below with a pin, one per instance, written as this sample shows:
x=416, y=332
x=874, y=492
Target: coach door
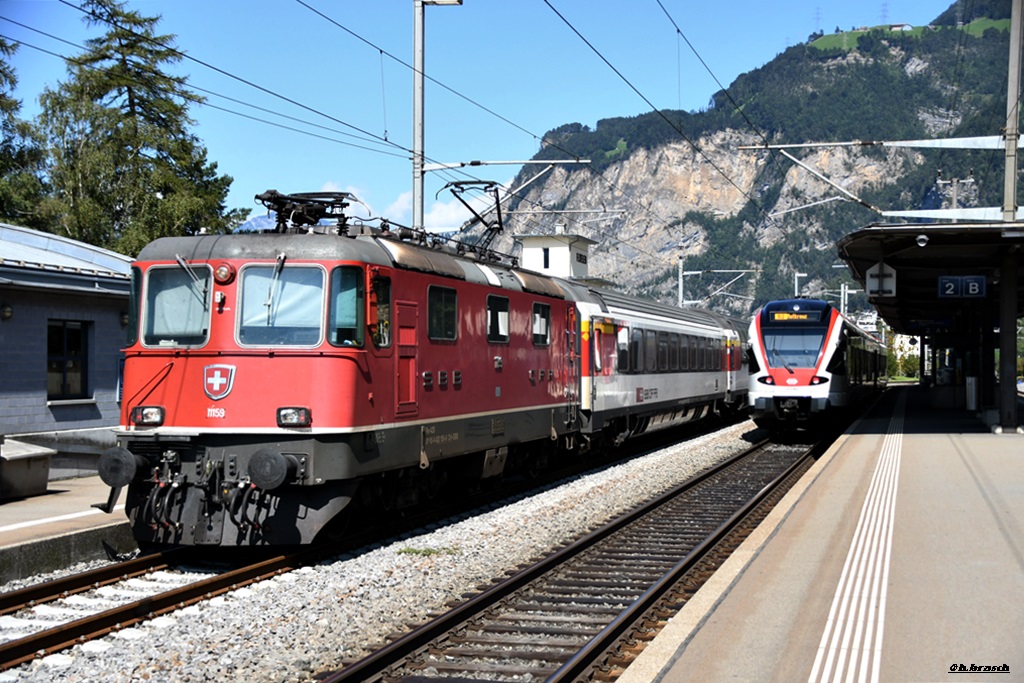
x=406, y=341
x=572, y=356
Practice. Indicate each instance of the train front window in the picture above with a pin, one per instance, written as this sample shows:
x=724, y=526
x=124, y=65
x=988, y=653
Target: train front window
x=177, y=309
x=281, y=305
x=793, y=347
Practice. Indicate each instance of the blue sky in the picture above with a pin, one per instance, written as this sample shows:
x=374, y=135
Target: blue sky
x=517, y=69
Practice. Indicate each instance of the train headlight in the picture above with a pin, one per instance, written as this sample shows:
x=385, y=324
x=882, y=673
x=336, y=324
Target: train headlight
x=294, y=417
x=767, y=379
x=818, y=380
x=148, y=416
x=224, y=273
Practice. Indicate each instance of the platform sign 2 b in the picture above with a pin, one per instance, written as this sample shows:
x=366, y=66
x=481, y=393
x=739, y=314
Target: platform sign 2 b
x=961, y=286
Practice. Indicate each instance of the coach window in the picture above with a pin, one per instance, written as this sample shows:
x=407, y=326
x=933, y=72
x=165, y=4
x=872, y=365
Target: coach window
x=693, y=353
x=346, y=325
x=651, y=351
x=67, y=360
x=281, y=305
x=541, y=324
x=636, y=351
x=442, y=313
x=701, y=353
x=684, y=352
x=497, y=319
x=673, y=351
x=662, y=351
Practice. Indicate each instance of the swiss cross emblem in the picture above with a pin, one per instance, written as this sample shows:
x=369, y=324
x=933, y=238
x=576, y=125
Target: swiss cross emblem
x=218, y=380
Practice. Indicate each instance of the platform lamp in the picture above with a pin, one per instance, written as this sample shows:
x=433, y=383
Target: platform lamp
x=6, y=312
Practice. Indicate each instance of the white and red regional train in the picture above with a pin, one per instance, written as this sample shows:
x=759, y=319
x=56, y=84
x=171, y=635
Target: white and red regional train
x=273, y=380
x=808, y=362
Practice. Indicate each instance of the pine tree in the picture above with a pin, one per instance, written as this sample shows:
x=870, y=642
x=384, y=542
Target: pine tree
x=124, y=165
x=21, y=155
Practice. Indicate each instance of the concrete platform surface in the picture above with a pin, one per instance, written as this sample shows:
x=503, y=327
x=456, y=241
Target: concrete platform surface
x=898, y=557
x=58, y=528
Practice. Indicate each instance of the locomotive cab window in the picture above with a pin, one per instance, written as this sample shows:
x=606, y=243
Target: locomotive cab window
x=281, y=305
x=497, y=319
x=541, y=324
x=442, y=313
x=345, y=325
x=177, y=309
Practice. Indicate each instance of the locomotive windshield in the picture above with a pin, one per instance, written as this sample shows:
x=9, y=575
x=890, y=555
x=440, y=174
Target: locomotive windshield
x=281, y=305
x=177, y=306
x=795, y=347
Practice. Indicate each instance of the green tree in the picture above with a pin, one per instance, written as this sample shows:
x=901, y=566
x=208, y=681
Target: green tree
x=124, y=166
x=21, y=154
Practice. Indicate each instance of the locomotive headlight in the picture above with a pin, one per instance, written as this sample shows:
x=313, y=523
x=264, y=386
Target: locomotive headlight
x=767, y=379
x=294, y=417
x=224, y=273
x=149, y=416
x=818, y=380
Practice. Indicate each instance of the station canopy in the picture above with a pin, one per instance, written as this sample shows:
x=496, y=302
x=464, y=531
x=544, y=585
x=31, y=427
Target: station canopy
x=941, y=281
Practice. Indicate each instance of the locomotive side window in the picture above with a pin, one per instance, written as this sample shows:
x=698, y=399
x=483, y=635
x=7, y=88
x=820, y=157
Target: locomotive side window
x=345, y=325
x=497, y=319
x=177, y=305
x=380, y=311
x=542, y=324
x=442, y=313
x=134, y=297
x=281, y=306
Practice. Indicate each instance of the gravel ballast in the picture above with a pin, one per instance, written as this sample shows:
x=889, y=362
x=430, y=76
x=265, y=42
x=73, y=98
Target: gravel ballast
x=291, y=627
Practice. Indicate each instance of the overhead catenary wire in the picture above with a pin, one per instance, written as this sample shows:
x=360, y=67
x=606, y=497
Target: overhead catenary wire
x=369, y=137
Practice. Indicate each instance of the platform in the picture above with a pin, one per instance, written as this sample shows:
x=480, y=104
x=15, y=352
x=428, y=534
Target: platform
x=60, y=527
x=898, y=557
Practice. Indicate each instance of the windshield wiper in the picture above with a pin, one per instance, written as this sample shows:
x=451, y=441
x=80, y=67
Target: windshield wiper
x=278, y=267
x=195, y=278
x=778, y=355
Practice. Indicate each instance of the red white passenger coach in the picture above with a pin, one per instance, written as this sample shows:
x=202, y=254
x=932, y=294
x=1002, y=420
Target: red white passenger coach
x=273, y=380
x=807, y=362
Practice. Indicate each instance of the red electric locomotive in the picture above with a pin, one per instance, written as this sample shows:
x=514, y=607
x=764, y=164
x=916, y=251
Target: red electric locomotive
x=273, y=380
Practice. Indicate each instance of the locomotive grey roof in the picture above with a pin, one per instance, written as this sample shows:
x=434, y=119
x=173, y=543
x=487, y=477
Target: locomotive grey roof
x=265, y=246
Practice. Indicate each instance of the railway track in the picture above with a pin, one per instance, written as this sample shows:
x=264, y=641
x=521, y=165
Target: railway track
x=52, y=616
x=49, y=617
x=580, y=613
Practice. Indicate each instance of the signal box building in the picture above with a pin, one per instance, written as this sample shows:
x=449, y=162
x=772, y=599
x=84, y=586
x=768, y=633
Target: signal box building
x=63, y=314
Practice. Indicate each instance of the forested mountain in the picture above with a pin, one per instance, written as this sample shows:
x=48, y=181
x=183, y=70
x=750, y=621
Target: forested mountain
x=683, y=186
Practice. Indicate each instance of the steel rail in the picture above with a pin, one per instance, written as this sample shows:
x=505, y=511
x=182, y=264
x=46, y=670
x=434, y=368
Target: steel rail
x=61, y=637
x=372, y=666
x=48, y=591
x=585, y=658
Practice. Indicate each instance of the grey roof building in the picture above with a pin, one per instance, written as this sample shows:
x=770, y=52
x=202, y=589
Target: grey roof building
x=63, y=314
